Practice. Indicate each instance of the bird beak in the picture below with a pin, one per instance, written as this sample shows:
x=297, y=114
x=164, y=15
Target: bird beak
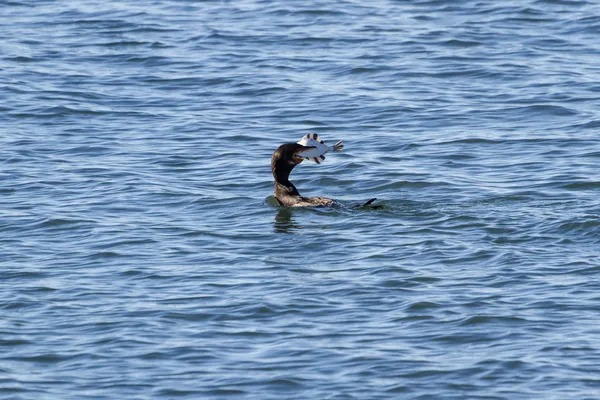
x=298, y=159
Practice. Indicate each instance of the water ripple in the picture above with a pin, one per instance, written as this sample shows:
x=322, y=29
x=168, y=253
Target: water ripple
x=143, y=253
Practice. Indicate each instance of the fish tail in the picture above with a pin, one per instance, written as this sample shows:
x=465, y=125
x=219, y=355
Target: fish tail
x=339, y=146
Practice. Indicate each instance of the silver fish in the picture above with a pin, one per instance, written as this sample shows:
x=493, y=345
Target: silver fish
x=317, y=154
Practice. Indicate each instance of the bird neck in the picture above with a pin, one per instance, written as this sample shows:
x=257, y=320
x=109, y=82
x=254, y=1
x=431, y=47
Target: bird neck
x=281, y=173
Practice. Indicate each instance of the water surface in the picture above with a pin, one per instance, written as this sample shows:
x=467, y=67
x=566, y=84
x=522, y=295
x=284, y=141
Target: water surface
x=141, y=255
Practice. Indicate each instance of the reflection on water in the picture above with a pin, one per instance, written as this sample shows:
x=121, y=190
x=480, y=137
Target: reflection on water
x=284, y=221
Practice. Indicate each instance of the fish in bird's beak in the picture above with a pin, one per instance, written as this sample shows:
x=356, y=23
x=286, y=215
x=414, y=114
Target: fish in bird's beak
x=318, y=148
x=297, y=157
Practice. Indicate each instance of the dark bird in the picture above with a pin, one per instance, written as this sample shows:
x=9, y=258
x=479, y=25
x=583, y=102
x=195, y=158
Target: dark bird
x=285, y=158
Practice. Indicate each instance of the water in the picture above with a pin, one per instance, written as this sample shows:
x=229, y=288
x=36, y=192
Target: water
x=140, y=253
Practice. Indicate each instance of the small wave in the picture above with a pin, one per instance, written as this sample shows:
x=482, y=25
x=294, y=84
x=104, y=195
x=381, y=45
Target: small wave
x=569, y=3
x=58, y=111
x=490, y=319
x=461, y=43
x=423, y=305
x=61, y=222
x=123, y=43
x=582, y=185
x=24, y=59
x=307, y=12
x=595, y=124
x=543, y=109
x=586, y=227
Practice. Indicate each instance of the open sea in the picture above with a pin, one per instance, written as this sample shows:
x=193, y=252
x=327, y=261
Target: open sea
x=142, y=255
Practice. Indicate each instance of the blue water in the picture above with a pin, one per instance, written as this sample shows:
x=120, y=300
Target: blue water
x=141, y=255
